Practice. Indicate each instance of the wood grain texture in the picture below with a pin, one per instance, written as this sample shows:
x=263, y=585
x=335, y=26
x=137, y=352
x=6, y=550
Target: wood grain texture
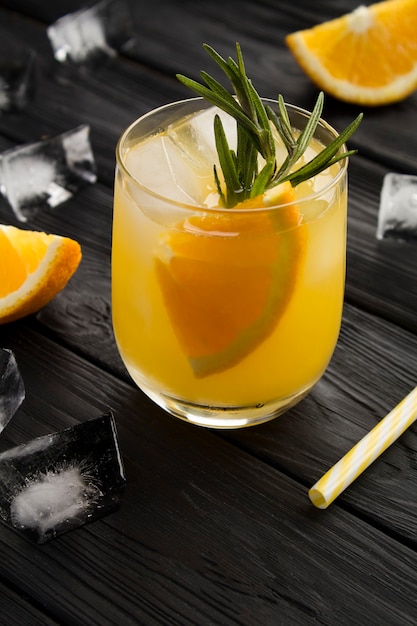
x=16, y=611
x=215, y=528
x=381, y=275
x=260, y=545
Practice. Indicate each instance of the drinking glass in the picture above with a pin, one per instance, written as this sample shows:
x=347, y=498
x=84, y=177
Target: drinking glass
x=224, y=317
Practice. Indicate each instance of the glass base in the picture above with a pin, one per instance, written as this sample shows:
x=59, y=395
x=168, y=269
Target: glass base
x=230, y=417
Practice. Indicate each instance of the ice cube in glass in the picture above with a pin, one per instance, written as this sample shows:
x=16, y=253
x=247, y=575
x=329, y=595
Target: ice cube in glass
x=194, y=136
x=178, y=161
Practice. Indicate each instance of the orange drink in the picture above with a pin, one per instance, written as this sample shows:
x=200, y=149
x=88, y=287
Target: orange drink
x=225, y=317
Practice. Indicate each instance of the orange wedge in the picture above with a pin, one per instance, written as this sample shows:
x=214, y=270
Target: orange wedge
x=226, y=278
x=34, y=268
x=366, y=57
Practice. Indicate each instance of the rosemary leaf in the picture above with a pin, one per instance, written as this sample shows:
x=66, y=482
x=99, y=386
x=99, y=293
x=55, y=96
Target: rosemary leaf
x=247, y=159
x=310, y=169
x=227, y=162
x=262, y=178
x=284, y=129
x=254, y=121
x=219, y=187
x=307, y=133
x=326, y=157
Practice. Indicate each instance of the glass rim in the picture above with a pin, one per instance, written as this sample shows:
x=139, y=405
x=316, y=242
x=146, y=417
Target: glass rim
x=195, y=207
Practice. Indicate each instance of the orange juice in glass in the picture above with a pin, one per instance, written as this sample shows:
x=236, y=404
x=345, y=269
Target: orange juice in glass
x=225, y=317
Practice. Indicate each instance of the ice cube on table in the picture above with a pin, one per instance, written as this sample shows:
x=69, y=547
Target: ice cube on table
x=397, y=216
x=12, y=389
x=58, y=482
x=91, y=33
x=17, y=78
x=44, y=174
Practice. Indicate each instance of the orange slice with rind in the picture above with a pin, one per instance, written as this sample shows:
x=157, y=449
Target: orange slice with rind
x=227, y=277
x=34, y=268
x=366, y=57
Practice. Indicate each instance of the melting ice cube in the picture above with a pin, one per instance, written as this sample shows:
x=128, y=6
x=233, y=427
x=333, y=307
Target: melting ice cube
x=17, y=79
x=195, y=140
x=397, y=217
x=46, y=173
x=91, y=32
x=161, y=167
x=178, y=163
x=12, y=390
x=60, y=481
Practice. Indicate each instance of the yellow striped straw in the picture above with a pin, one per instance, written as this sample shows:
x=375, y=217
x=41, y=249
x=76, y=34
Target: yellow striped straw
x=341, y=475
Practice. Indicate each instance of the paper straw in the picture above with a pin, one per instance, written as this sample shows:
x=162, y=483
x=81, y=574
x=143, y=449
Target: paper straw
x=341, y=475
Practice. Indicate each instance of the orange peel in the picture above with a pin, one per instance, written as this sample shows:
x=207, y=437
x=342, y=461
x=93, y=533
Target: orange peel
x=34, y=268
x=366, y=57
x=227, y=277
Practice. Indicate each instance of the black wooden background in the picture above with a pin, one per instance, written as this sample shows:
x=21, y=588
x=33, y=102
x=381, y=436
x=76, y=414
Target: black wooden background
x=215, y=527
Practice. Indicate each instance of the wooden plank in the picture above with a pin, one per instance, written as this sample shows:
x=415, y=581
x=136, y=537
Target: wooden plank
x=261, y=549
x=16, y=610
x=269, y=62
x=215, y=527
x=373, y=367
x=66, y=97
x=381, y=275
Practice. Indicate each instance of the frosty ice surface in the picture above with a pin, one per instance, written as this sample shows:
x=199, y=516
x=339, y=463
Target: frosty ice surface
x=46, y=173
x=12, y=390
x=194, y=136
x=397, y=217
x=178, y=160
x=60, y=481
x=17, y=79
x=50, y=499
x=161, y=162
x=91, y=32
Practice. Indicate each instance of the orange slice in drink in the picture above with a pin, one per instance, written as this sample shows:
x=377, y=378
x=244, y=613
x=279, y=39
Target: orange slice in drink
x=366, y=57
x=34, y=267
x=227, y=277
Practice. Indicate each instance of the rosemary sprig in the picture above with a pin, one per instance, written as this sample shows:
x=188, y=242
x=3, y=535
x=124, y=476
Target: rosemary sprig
x=240, y=169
